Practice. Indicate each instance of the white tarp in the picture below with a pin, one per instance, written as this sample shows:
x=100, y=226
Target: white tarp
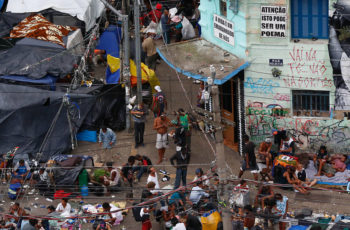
x=85, y=10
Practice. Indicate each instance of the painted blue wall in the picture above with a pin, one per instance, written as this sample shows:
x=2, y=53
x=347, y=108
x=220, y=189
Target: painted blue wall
x=210, y=7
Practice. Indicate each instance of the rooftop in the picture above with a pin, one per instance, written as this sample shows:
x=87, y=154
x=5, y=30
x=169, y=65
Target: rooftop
x=194, y=57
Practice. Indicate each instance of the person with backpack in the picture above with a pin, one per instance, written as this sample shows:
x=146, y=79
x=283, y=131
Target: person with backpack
x=184, y=120
x=159, y=102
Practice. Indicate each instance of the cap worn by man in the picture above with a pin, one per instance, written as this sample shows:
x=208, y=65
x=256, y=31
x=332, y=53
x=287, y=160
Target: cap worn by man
x=157, y=88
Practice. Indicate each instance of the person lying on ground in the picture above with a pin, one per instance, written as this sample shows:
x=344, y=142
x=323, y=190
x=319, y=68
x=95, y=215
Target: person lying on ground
x=265, y=152
x=22, y=170
x=338, y=162
x=301, y=175
x=264, y=192
x=293, y=180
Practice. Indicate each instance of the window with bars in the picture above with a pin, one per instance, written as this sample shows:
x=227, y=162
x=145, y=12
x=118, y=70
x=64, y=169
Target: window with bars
x=310, y=103
x=223, y=8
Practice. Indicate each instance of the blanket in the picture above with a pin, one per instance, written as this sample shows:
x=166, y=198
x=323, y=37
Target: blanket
x=339, y=177
x=38, y=27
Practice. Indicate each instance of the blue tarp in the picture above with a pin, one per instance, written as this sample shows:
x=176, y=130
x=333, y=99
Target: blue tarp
x=47, y=80
x=87, y=135
x=109, y=41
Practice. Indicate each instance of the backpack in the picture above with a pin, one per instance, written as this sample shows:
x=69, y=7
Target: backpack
x=159, y=102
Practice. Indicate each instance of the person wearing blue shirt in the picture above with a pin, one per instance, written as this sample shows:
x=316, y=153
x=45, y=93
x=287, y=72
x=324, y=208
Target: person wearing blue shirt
x=197, y=193
x=107, y=139
x=164, y=20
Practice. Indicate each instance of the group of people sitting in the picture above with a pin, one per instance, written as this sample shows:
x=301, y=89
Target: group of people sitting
x=197, y=198
x=283, y=166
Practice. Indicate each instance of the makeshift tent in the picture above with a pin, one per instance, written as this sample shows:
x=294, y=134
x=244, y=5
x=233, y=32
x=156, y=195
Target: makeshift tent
x=47, y=80
x=26, y=114
x=69, y=175
x=85, y=10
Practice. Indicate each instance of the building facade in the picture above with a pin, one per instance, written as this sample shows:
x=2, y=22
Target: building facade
x=291, y=82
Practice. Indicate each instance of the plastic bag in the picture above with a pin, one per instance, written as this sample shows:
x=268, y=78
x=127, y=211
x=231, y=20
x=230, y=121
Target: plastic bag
x=210, y=220
x=187, y=29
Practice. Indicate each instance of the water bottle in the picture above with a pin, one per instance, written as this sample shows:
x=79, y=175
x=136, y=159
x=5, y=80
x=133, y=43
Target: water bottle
x=84, y=191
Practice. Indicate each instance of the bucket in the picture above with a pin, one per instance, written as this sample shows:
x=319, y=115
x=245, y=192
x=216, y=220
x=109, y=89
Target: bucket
x=84, y=190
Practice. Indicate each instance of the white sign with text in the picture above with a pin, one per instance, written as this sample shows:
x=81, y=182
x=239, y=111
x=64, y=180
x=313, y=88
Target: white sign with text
x=273, y=21
x=223, y=29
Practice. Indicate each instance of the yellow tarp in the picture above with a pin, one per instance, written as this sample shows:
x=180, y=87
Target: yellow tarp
x=148, y=75
x=113, y=63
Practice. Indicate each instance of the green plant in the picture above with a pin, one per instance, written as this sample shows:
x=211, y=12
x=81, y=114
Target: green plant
x=276, y=72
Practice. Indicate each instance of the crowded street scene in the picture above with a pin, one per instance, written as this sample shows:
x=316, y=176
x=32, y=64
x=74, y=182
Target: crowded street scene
x=174, y=114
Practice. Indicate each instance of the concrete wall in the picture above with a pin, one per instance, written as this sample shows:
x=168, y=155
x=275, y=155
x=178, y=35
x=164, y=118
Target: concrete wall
x=210, y=7
x=306, y=66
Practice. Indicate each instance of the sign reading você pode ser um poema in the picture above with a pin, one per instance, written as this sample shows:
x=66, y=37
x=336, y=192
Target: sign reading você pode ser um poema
x=273, y=21
x=223, y=29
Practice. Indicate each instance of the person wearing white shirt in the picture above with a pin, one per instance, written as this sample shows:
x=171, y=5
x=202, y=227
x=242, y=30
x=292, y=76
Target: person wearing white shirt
x=64, y=208
x=153, y=177
x=197, y=193
x=204, y=178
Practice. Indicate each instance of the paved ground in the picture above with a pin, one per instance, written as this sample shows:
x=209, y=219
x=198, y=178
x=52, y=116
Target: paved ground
x=202, y=156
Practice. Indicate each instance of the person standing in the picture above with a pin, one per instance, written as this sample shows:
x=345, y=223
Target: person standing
x=182, y=158
x=107, y=139
x=139, y=117
x=164, y=20
x=161, y=125
x=185, y=122
x=159, y=102
x=149, y=47
x=249, y=159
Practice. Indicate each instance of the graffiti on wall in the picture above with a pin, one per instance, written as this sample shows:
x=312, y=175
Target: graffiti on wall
x=260, y=85
x=307, y=69
x=308, y=133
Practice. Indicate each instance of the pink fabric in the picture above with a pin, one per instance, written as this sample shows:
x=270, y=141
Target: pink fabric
x=339, y=165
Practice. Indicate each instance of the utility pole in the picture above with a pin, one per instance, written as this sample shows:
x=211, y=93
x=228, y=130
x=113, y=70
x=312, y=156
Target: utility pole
x=126, y=57
x=220, y=152
x=138, y=49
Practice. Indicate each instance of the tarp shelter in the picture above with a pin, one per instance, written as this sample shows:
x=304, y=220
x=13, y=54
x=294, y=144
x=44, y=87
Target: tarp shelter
x=26, y=114
x=85, y=10
x=47, y=80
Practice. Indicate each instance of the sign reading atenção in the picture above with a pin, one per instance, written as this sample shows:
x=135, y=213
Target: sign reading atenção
x=273, y=21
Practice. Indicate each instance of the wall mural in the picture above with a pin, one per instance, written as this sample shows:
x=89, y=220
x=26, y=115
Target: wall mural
x=339, y=52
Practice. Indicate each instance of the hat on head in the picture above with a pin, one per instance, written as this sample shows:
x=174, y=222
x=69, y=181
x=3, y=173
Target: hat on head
x=159, y=6
x=199, y=170
x=268, y=139
x=176, y=19
x=157, y=88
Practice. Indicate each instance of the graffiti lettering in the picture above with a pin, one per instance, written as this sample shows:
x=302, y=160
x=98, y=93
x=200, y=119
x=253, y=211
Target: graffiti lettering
x=308, y=134
x=307, y=70
x=260, y=85
x=281, y=97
